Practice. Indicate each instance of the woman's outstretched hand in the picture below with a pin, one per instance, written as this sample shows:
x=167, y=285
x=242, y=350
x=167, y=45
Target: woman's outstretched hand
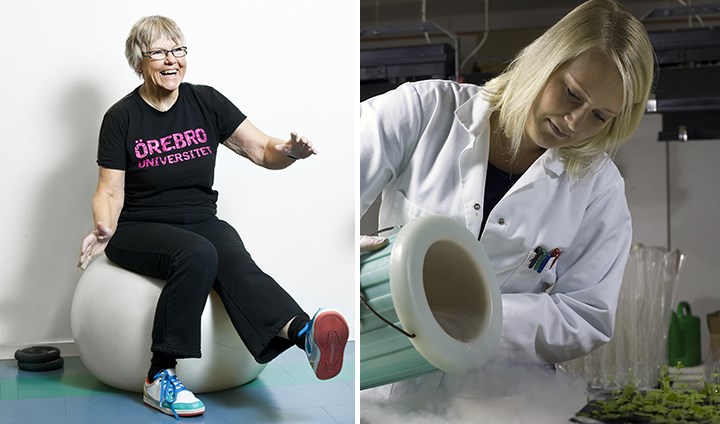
x=94, y=244
x=296, y=147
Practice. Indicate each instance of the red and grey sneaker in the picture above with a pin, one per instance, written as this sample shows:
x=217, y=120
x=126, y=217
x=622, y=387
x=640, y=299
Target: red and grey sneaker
x=325, y=338
x=167, y=394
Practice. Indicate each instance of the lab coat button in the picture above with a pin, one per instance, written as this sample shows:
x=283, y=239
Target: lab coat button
x=476, y=206
x=501, y=221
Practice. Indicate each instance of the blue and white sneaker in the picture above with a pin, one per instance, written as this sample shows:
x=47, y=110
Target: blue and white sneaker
x=167, y=394
x=325, y=338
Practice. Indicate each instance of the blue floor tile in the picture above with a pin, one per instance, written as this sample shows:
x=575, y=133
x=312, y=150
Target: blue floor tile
x=270, y=416
x=32, y=411
x=306, y=395
x=286, y=392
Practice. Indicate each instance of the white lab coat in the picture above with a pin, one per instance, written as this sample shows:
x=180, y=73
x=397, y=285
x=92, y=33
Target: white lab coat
x=425, y=159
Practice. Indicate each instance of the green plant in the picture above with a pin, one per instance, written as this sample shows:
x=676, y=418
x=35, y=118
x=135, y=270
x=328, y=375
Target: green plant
x=664, y=404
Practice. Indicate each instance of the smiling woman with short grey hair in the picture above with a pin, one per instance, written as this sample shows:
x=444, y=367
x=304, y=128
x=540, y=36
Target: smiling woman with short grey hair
x=155, y=213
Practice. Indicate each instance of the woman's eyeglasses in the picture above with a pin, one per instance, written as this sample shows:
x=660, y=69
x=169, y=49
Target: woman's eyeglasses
x=160, y=54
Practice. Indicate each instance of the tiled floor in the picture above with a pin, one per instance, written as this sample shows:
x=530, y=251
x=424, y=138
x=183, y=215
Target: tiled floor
x=285, y=392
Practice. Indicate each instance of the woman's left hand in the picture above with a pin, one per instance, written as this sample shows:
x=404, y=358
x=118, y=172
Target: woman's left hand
x=296, y=147
x=94, y=244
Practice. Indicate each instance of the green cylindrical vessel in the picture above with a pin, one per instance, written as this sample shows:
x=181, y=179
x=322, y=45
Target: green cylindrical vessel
x=435, y=282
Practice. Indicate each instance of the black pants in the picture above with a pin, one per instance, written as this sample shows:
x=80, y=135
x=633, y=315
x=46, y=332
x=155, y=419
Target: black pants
x=193, y=256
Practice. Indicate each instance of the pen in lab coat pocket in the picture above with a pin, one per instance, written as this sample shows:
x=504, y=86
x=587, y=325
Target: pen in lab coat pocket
x=555, y=254
x=539, y=253
x=542, y=257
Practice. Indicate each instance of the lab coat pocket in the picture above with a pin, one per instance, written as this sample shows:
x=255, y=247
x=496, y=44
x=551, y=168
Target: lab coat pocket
x=526, y=279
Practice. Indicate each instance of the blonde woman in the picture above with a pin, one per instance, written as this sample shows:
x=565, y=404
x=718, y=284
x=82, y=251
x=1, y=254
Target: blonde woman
x=524, y=162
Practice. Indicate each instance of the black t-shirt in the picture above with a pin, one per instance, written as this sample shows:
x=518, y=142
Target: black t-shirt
x=168, y=157
x=497, y=183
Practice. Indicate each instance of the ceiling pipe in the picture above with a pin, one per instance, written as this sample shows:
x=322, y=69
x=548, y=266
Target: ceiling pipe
x=484, y=38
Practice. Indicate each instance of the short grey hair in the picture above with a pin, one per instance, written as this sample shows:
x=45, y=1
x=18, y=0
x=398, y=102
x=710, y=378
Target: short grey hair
x=144, y=33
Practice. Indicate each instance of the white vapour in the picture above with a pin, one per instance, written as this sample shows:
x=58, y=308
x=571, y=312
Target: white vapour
x=493, y=395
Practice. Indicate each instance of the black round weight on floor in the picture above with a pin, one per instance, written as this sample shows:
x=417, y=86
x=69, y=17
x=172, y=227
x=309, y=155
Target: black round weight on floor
x=45, y=366
x=37, y=354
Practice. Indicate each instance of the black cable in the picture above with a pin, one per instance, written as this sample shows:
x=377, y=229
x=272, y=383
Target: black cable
x=367, y=305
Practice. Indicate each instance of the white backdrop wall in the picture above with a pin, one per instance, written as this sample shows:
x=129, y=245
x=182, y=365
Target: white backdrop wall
x=288, y=65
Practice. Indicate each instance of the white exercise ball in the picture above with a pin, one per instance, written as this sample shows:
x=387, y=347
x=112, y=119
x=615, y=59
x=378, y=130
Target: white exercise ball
x=112, y=317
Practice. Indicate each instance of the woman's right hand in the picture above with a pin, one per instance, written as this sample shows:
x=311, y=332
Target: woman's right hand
x=94, y=244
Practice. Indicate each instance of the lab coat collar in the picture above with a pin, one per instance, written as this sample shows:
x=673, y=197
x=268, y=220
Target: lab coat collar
x=473, y=115
x=552, y=163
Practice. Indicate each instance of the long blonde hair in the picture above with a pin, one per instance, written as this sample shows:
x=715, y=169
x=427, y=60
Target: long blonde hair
x=603, y=25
